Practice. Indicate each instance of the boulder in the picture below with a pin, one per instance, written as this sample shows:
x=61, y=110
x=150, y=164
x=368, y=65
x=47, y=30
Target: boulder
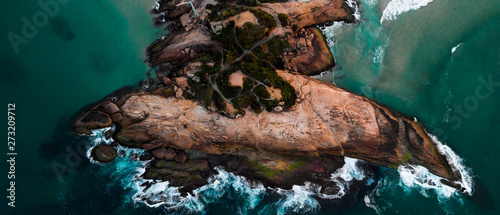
x=104, y=153
x=167, y=81
x=110, y=107
x=116, y=117
x=91, y=120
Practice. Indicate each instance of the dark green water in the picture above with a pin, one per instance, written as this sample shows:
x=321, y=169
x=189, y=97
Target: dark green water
x=91, y=48
x=86, y=51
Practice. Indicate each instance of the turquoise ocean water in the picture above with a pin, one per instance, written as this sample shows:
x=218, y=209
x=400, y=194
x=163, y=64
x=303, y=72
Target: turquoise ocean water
x=429, y=59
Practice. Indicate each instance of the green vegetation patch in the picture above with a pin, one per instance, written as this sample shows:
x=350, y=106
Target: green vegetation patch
x=275, y=48
x=222, y=11
x=249, y=34
x=261, y=92
x=229, y=42
x=224, y=86
x=263, y=72
x=264, y=18
x=284, y=20
x=407, y=156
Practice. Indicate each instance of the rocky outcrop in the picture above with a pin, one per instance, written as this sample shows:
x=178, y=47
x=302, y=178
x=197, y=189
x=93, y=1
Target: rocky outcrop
x=312, y=55
x=188, y=176
x=304, y=14
x=172, y=9
x=325, y=121
x=180, y=47
x=104, y=153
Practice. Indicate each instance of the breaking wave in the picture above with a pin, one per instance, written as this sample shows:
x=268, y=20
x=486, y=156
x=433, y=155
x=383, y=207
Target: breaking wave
x=456, y=163
x=97, y=137
x=159, y=194
x=455, y=48
x=415, y=176
x=301, y=199
x=397, y=7
x=353, y=4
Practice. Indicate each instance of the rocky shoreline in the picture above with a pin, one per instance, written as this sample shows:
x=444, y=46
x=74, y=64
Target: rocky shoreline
x=270, y=122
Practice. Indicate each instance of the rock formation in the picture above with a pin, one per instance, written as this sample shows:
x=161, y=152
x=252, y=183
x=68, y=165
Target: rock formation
x=276, y=126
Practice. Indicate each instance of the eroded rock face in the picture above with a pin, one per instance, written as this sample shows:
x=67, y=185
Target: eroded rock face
x=325, y=121
x=305, y=14
x=173, y=48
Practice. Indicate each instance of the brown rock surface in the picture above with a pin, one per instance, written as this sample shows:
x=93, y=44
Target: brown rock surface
x=104, y=153
x=170, y=49
x=163, y=153
x=326, y=121
x=91, y=120
x=317, y=59
x=309, y=13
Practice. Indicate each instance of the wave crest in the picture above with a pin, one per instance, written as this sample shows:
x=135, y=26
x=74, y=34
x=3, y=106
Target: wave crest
x=397, y=7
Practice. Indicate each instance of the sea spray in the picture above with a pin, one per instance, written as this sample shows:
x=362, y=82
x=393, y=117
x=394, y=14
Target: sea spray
x=397, y=7
x=354, y=5
x=154, y=193
x=344, y=176
x=97, y=137
x=301, y=199
x=456, y=163
x=419, y=178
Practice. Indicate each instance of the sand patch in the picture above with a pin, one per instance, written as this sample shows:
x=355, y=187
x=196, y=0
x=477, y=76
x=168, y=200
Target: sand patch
x=275, y=92
x=241, y=18
x=236, y=79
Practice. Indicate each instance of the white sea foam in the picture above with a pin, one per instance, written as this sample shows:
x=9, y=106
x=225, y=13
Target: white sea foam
x=455, y=48
x=349, y=171
x=300, y=199
x=419, y=178
x=397, y=7
x=96, y=138
x=456, y=163
x=159, y=193
x=354, y=4
x=370, y=203
x=331, y=32
x=378, y=54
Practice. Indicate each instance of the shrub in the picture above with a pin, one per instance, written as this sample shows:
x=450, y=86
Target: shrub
x=284, y=20
x=225, y=87
x=249, y=34
x=261, y=92
x=264, y=18
x=229, y=43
